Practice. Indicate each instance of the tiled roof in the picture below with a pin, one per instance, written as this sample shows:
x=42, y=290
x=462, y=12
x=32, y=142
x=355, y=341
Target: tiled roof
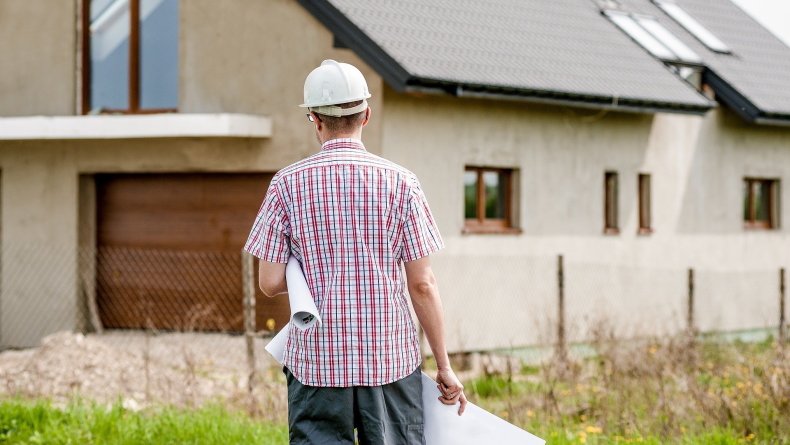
x=558, y=50
x=561, y=49
x=758, y=69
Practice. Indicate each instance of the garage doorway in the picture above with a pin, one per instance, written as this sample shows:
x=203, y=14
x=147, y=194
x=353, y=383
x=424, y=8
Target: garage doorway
x=169, y=251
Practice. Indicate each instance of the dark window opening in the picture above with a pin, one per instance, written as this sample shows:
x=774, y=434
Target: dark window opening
x=610, y=203
x=645, y=226
x=760, y=203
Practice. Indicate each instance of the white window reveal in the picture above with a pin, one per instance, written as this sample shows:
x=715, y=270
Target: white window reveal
x=691, y=24
x=629, y=26
x=665, y=36
x=654, y=37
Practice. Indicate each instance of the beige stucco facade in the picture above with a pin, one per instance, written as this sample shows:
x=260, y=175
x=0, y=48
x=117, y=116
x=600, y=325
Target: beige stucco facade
x=251, y=56
x=501, y=290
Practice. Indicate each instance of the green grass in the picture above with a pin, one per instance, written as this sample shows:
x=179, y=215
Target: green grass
x=655, y=392
x=39, y=422
x=669, y=391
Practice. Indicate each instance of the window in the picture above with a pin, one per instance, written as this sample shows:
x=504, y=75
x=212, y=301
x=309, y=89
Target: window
x=760, y=203
x=487, y=200
x=610, y=203
x=693, y=26
x=669, y=40
x=654, y=37
x=644, y=204
x=130, y=56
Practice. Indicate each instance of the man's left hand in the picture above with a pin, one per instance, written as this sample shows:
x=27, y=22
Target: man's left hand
x=451, y=388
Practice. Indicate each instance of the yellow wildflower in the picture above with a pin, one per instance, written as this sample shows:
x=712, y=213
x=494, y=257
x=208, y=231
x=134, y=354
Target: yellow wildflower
x=594, y=430
x=530, y=414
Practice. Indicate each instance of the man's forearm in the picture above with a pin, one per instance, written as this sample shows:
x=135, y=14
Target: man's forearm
x=428, y=307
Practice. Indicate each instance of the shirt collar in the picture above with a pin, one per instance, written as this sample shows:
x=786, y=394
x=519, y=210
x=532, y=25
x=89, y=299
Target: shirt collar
x=343, y=143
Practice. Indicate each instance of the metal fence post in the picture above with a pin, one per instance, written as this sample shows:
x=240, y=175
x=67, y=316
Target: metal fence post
x=561, y=347
x=248, y=283
x=690, y=309
x=782, y=303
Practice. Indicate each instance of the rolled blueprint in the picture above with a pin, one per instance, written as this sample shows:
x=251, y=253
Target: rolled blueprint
x=443, y=425
x=276, y=346
x=304, y=314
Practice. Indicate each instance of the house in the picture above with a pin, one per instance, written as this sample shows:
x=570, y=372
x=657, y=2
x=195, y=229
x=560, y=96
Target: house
x=637, y=138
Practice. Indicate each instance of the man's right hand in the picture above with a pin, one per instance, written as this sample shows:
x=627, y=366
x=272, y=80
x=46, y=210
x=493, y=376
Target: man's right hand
x=451, y=388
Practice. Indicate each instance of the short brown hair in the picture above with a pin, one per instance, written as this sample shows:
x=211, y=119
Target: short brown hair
x=344, y=124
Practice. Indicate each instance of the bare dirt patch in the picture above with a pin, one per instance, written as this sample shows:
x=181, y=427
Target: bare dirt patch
x=182, y=369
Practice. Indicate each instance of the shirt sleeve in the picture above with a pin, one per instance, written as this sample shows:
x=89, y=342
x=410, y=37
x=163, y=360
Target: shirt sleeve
x=269, y=238
x=420, y=234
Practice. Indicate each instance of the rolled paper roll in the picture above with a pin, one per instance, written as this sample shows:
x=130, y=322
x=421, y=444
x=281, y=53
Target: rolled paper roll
x=304, y=313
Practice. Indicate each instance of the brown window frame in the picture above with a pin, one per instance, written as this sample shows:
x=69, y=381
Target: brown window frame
x=773, y=205
x=611, y=198
x=645, y=203
x=134, y=63
x=481, y=224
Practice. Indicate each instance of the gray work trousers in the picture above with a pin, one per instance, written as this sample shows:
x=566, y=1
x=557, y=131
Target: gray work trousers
x=389, y=414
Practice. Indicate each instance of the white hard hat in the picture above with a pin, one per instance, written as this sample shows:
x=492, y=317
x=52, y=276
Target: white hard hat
x=335, y=83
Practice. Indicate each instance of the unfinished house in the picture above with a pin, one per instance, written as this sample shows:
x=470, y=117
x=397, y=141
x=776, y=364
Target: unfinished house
x=636, y=138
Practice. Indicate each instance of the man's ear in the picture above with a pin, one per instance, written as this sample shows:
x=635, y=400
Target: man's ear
x=367, y=117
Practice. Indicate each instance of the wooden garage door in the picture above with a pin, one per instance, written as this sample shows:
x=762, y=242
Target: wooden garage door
x=169, y=250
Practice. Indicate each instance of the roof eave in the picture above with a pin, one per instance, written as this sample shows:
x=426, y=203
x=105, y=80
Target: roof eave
x=560, y=98
x=739, y=103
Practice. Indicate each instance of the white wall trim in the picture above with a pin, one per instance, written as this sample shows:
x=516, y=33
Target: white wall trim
x=137, y=126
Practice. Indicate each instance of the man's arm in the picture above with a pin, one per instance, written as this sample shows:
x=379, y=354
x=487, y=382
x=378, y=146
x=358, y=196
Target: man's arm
x=428, y=307
x=271, y=278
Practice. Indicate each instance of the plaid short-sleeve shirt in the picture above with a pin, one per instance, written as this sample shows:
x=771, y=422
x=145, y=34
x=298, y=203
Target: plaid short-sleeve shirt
x=350, y=218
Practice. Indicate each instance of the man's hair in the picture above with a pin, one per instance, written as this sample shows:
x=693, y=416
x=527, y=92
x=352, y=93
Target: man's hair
x=344, y=124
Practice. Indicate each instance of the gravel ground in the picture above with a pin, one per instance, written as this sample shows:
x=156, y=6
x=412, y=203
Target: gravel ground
x=182, y=369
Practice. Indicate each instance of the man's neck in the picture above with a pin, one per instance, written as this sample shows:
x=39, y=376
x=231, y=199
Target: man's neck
x=355, y=135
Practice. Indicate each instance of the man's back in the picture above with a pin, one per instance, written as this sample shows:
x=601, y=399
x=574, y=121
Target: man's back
x=351, y=218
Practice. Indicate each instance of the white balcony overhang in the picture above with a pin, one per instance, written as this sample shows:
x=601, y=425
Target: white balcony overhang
x=103, y=126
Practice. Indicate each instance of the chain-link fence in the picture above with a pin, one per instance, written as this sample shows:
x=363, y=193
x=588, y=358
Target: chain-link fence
x=181, y=314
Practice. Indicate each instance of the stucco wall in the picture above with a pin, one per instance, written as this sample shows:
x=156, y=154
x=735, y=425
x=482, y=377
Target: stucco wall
x=495, y=284
x=38, y=50
x=252, y=56
x=236, y=56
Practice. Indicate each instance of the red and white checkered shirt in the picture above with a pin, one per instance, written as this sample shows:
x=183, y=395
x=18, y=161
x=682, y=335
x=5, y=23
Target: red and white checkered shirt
x=350, y=218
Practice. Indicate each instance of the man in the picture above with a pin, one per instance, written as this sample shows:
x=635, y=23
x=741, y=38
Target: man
x=351, y=218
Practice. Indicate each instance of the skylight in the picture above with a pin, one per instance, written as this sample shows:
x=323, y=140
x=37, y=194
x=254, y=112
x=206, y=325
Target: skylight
x=666, y=37
x=654, y=37
x=693, y=26
x=642, y=37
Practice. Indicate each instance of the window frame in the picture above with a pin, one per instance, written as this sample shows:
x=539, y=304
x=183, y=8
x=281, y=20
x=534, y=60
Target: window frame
x=134, y=64
x=773, y=204
x=611, y=211
x=644, y=185
x=481, y=224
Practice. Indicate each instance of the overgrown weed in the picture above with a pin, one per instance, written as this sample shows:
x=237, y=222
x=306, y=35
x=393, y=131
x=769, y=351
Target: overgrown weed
x=668, y=390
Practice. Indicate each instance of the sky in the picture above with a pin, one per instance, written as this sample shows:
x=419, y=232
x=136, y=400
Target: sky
x=772, y=14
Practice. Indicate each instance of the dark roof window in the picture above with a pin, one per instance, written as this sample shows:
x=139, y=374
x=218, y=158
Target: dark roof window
x=654, y=37
x=691, y=24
